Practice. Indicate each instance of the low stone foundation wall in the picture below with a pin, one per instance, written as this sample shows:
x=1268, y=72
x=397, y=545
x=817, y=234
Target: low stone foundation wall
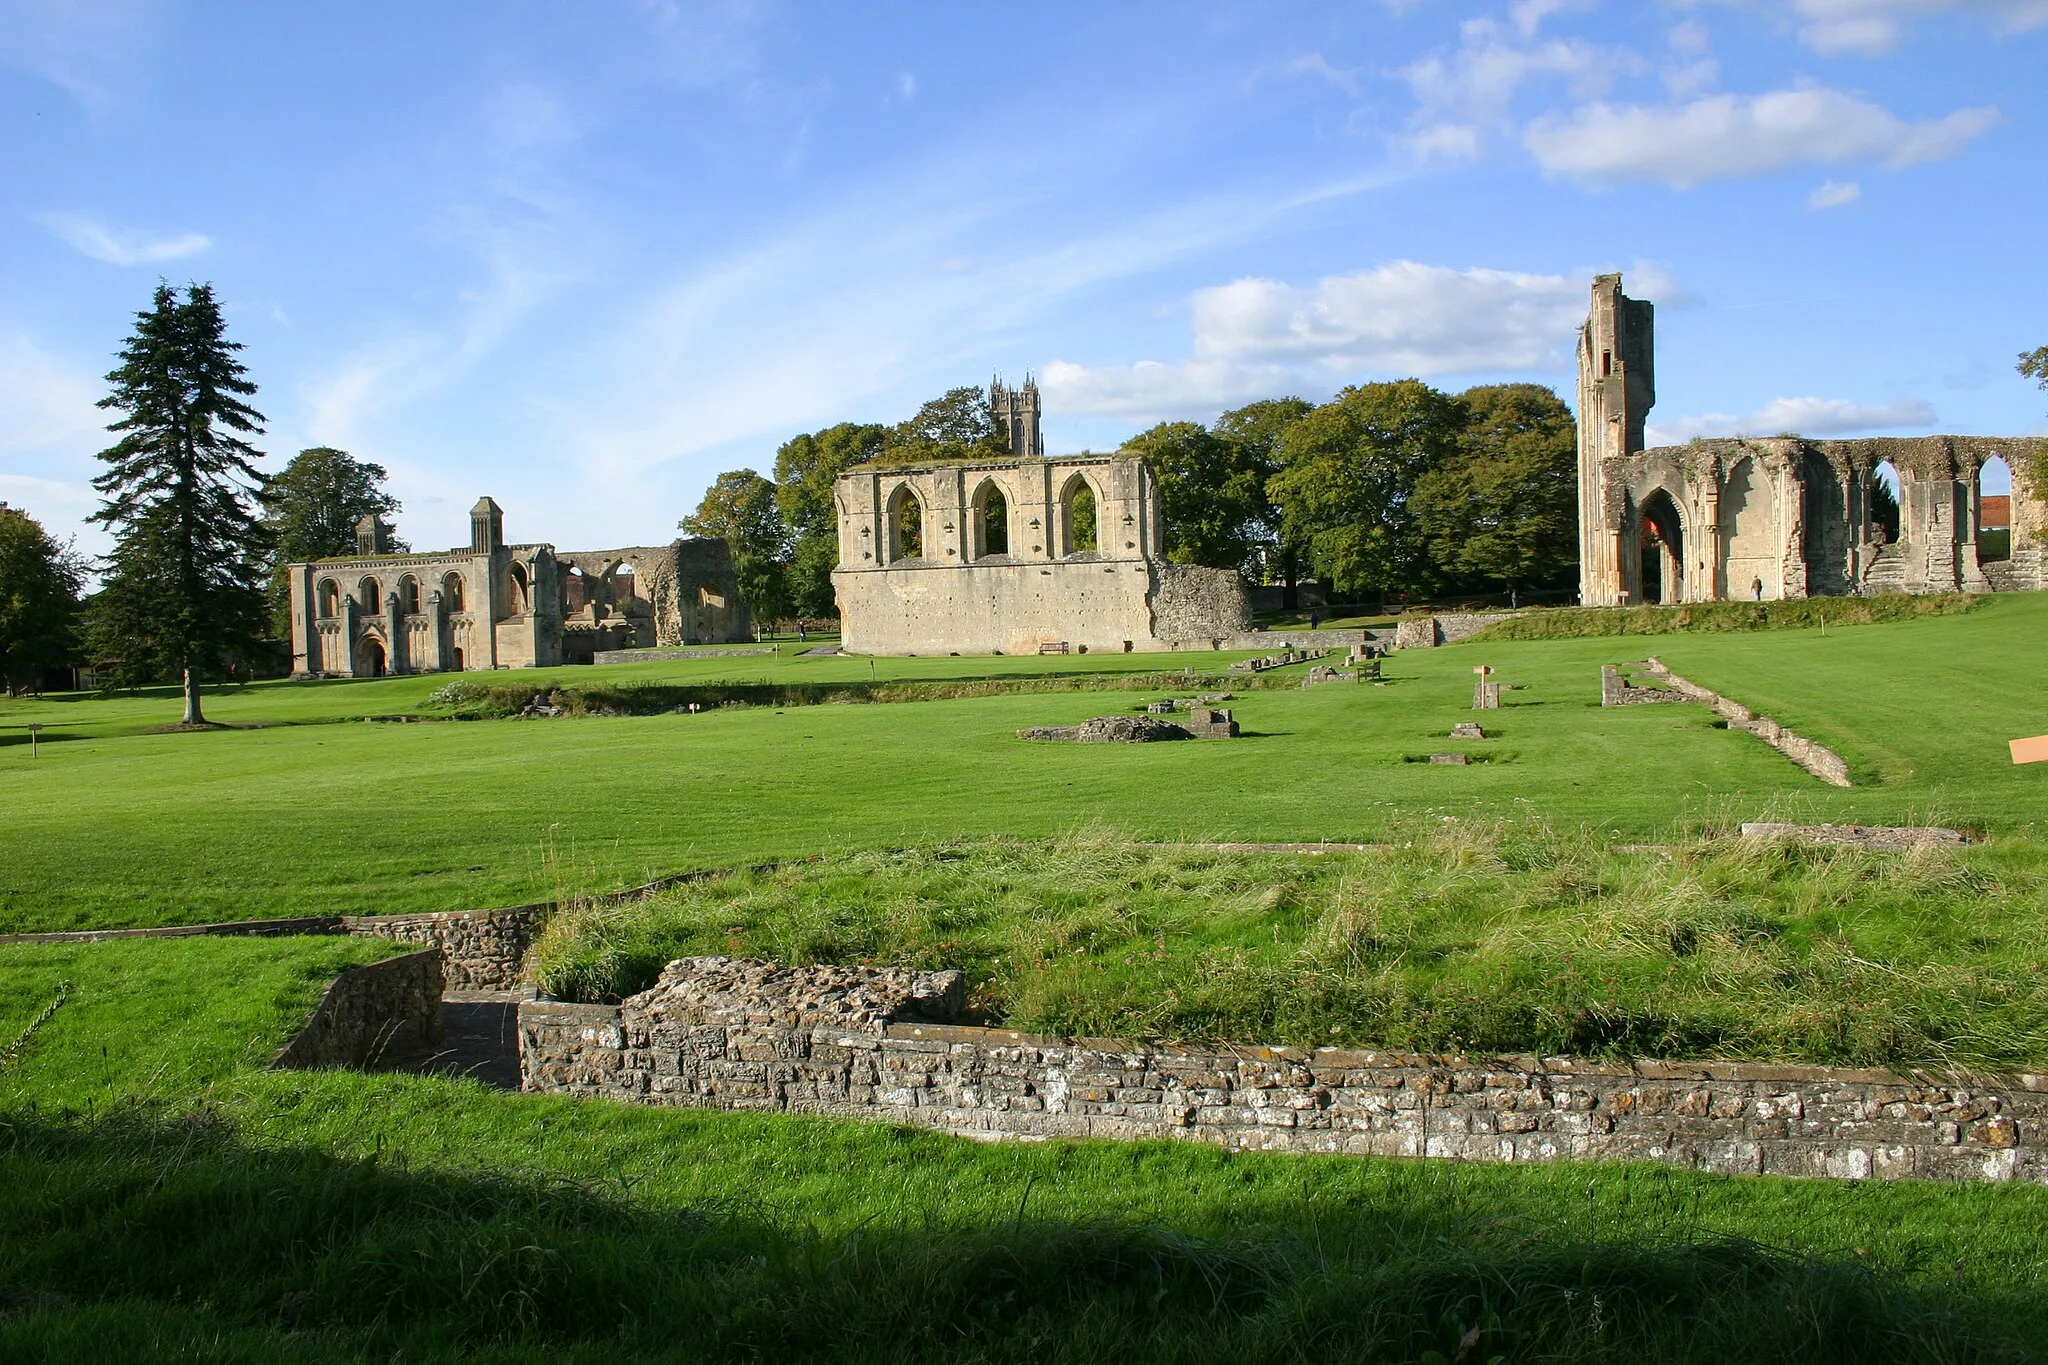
x=720, y=1033
x=1426, y=632
x=383, y=1011
x=654, y=656
x=483, y=950
x=1823, y=762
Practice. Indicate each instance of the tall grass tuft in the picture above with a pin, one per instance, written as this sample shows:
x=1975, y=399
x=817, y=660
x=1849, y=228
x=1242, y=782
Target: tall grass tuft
x=1509, y=936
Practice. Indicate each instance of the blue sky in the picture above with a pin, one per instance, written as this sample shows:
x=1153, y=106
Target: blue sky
x=584, y=256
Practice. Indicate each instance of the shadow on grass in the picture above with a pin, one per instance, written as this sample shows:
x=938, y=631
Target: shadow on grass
x=155, y=1229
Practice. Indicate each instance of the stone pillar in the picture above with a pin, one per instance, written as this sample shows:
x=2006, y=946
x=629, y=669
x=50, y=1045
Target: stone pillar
x=1972, y=573
x=395, y=660
x=1714, y=578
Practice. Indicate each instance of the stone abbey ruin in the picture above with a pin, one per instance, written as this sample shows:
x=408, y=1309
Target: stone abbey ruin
x=1020, y=554
x=1780, y=516
x=1026, y=553
x=493, y=605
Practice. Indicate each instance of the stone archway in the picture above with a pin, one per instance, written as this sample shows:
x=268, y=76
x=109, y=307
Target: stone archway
x=1662, y=537
x=371, y=661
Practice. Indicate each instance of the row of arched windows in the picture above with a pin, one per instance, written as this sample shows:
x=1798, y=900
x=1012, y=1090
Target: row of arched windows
x=369, y=595
x=988, y=530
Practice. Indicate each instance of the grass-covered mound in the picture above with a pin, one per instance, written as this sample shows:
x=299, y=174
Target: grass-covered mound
x=162, y=1197
x=471, y=700
x=1461, y=935
x=1803, y=613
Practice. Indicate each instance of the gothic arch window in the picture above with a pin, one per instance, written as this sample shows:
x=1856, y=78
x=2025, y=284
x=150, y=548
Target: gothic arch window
x=906, y=524
x=990, y=521
x=330, y=597
x=451, y=592
x=1994, y=510
x=1078, y=531
x=1884, y=503
x=409, y=594
x=521, y=589
x=1661, y=535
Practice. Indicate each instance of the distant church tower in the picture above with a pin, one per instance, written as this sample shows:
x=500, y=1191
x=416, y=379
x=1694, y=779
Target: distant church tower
x=1617, y=387
x=1015, y=413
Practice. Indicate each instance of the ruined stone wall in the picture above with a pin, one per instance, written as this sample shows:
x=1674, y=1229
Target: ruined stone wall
x=1195, y=607
x=988, y=557
x=372, y=1013
x=721, y=1033
x=1823, y=762
x=483, y=950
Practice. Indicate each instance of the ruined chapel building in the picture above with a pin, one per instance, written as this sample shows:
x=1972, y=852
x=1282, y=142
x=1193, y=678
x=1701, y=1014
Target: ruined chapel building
x=1019, y=554
x=1779, y=516
x=492, y=605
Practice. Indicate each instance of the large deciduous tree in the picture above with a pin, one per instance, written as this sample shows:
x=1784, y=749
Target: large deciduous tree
x=740, y=510
x=1211, y=494
x=2034, y=365
x=1347, y=473
x=1504, y=509
x=311, y=509
x=805, y=467
x=957, y=425
x=183, y=587
x=1255, y=430
x=39, y=586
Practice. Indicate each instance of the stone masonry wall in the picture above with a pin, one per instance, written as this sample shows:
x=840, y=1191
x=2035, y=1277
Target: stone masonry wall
x=721, y=1033
x=483, y=949
x=1823, y=762
x=383, y=1010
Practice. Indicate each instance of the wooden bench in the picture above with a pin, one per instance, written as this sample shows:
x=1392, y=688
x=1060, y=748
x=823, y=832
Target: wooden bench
x=1053, y=647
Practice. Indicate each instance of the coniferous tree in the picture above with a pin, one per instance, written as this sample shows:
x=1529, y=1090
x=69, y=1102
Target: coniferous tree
x=183, y=592
x=39, y=583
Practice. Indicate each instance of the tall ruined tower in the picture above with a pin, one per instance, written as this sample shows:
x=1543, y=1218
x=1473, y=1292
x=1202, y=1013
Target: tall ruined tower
x=1015, y=413
x=1617, y=387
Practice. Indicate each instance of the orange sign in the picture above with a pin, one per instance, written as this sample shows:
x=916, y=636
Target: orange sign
x=2033, y=750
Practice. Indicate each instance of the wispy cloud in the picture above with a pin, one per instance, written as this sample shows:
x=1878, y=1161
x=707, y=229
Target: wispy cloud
x=1872, y=28
x=1723, y=136
x=91, y=237
x=1806, y=416
x=1832, y=194
x=1258, y=338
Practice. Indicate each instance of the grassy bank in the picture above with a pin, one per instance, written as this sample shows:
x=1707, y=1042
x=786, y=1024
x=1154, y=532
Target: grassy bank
x=1462, y=935
x=354, y=818
x=1718, y=617
x=243, y=1215
x=468, y=700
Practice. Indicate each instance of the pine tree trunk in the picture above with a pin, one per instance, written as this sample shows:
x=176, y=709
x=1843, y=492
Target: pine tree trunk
x=192, y=716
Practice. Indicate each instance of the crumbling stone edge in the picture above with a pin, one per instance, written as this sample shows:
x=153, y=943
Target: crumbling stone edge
x=727, y=1034
x=1823, y=762
x=369, y=1015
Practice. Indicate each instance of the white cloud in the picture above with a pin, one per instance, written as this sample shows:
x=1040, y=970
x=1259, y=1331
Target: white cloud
x=92, y=238
x=1490, y=67
x=1257, y=338
x=1444, y=141
x=1872, y=28
x=1719, y=136
x=45, y=404
x=1832, y=194
x=1803, y=416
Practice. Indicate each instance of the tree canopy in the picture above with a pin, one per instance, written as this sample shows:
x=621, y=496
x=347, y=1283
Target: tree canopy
x=1504, y=506
x=957, y=425
x=805, y=467
x=311, y=508
x=1211, y=493
x=182, y=588
x=740, y=509
x=39, y=586
x=1347, y=470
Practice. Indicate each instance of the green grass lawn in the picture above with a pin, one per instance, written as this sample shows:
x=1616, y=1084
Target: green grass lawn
x=117, y=827
x=1462, y=936
x=161, y=1197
